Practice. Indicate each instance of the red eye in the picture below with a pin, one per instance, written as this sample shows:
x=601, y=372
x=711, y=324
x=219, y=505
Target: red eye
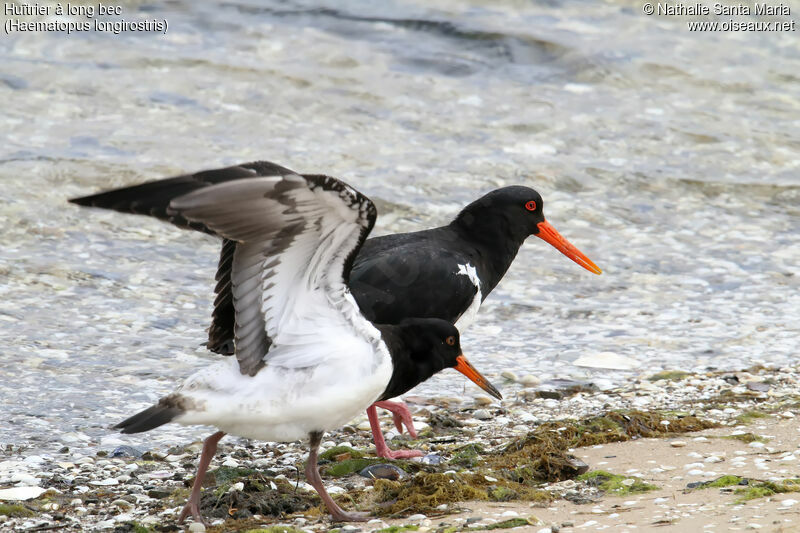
x=530, y=206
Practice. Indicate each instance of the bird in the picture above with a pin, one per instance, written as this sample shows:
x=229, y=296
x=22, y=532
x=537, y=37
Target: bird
x=444, y=272
x=307, y=360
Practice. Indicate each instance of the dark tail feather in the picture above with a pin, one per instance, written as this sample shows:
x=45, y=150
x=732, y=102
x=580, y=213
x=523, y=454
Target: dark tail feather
x=150, y=418
x=152, y=198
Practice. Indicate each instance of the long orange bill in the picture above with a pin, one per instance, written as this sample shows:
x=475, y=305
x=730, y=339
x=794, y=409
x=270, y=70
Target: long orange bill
x=548, y=233
x=466, y=368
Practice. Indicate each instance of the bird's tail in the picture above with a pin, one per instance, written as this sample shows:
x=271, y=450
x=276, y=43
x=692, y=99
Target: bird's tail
x=152, y=417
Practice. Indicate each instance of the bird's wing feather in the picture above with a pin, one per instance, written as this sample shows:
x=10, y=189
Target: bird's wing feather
x=296, y=238
x=152, y=198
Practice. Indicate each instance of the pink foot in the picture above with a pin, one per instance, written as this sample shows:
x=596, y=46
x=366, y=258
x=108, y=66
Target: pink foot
x=401, y=416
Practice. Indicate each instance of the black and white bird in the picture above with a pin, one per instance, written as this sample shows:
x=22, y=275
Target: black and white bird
x=306, y=359
x=443, y=272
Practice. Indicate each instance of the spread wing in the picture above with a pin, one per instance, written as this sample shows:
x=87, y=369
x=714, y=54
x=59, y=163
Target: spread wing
x=152, y=198
x=296, y=238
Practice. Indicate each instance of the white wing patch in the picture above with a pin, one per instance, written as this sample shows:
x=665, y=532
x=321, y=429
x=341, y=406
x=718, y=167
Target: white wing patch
x=468, y=316
x=294, y=234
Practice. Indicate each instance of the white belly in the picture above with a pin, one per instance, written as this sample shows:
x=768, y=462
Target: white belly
x=285, y=404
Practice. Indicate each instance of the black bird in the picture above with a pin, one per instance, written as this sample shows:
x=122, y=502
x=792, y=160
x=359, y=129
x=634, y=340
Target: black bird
x=307, y=360
x=444, y=272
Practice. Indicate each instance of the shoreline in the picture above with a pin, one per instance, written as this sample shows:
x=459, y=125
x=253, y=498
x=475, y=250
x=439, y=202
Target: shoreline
x=468, y=445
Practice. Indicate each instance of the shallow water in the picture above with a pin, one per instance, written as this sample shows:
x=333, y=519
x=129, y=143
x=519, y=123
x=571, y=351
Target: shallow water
x=670, y=158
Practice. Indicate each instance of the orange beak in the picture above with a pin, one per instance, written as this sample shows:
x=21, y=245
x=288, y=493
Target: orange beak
x=548, y=233
x=466, y=368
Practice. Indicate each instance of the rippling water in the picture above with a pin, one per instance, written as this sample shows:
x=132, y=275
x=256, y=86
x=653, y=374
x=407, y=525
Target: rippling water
x=670, y=158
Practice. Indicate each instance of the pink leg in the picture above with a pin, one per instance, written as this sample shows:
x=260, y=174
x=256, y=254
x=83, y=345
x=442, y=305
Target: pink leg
x=401, y=416
x=381, y=449
x=313, y=477
x=193, y=505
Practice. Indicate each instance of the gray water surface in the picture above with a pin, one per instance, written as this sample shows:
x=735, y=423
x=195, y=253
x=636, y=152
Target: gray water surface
x=670, y=158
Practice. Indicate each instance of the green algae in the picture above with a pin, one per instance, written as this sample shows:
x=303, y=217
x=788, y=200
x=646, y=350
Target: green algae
x=721, y=482
x=423, y=493
x=397, y=529
x=747, y=438
x=350, y=466
x=669, y=375
x=615, y=483
x=542, y=454
x=467, y=456
x=15, y=511
x=275, y=529
x=330, y=455
x=762, y=489
x=748, y=416
x=505, y=524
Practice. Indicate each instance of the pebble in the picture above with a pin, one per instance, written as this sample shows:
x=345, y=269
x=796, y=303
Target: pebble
x=197, y=527
x=382, y=471
x=677, y=444
x=509, y=375
x=230, y=462
x=482, y=414
x=788, y=502
x=104, y=482
x=529, y=380
x=21, y=493
x=122, y=504
x=416, y=517
x=483, y=400
x=607, y=360
x=756, y=444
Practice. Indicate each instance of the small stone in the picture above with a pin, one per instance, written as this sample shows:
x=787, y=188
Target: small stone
x=713, y=459
x=127, y=451
x=237, y=487
x=787, y=414
x=756, y=444
x=432, y=459
x=416, y=517
x=158, y=493
x=482, y=414
x=382, y=471
x=529, y=380
x=197, y=527
x=21, y=493
x=483, y=400
x=442, y=507
x=509, y=375
x=122, y=504
x=510, y=513
x=628, y=482
x=788, y=503
x=104, y=482
x=231, y=462
x=758, y=386
x=677, y=444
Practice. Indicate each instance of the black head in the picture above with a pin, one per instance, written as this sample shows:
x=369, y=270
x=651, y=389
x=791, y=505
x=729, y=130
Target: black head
x=421, y=348
x=506, y=217
x=515, y=210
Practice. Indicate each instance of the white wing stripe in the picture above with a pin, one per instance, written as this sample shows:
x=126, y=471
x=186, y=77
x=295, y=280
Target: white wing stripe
x=294, y=236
